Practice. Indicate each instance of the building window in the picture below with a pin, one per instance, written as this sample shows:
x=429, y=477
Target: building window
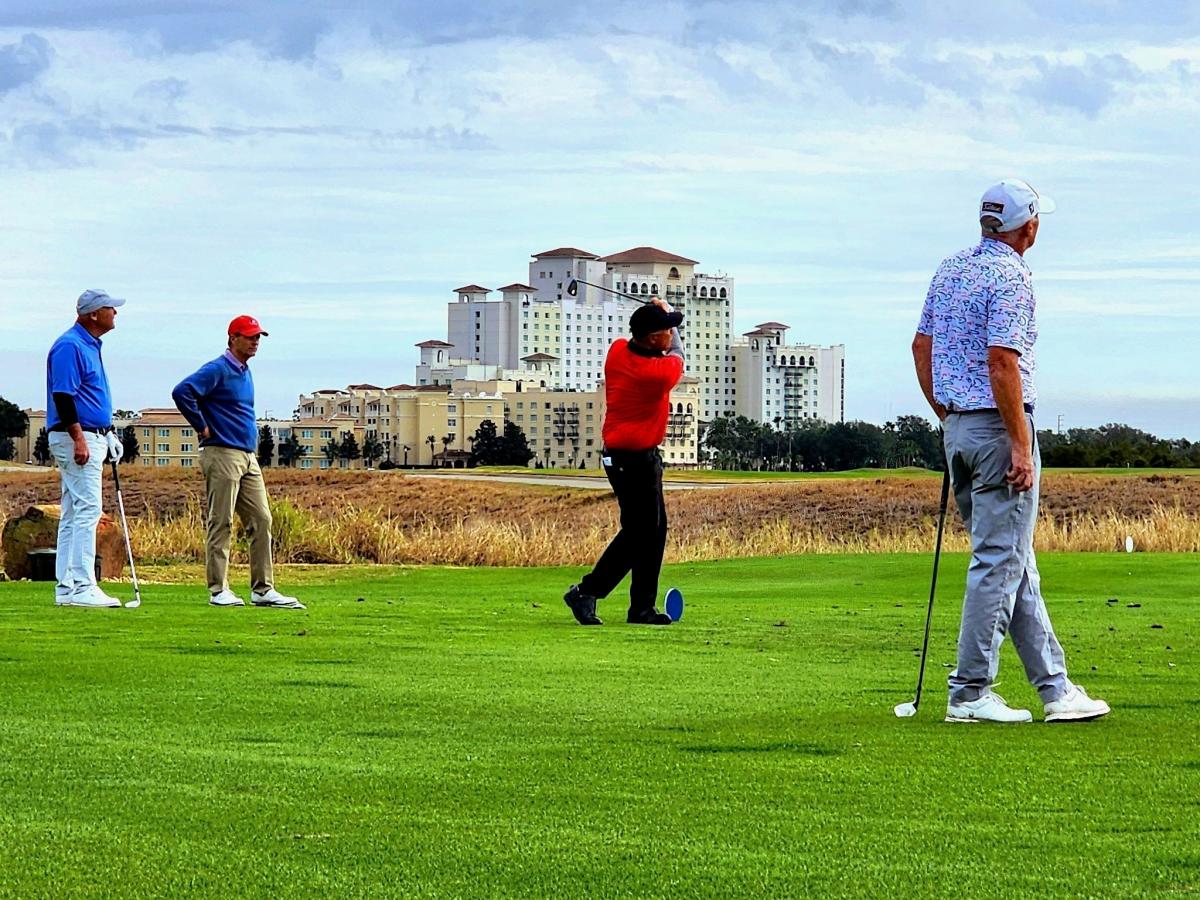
x=306, y=432
x=186, y=463
x=162, y=462
x=187, y=432
x=164, y=448
x=327, y=433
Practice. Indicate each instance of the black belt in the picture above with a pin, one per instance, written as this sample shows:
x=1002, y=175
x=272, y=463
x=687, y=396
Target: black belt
x=1028, y=407
x=63, y=428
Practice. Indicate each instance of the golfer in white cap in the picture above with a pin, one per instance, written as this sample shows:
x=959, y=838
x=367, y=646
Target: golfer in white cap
x=975, y=363
x=79, y=424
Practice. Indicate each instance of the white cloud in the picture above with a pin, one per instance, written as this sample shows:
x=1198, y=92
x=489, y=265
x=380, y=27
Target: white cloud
x=343, y=175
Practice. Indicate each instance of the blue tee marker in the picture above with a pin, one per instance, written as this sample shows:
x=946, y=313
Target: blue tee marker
x=674, y=604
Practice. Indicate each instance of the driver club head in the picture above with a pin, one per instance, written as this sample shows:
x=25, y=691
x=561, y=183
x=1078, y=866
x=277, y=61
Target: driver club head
x=905, y=710
x=573, y=287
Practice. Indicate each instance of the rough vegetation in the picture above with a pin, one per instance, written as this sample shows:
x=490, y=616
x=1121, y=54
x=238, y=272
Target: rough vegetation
x=387, y=517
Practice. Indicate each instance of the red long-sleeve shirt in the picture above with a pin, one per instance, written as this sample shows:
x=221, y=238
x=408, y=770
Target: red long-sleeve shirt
x=637, y=390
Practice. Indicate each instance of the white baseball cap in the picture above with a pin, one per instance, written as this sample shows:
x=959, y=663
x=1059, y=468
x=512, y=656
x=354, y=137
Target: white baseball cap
x=1014, y=203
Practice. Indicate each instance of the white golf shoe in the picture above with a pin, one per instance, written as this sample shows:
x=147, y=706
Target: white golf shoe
x=90, y=597
x=226, y=598
x=988, y=708
x=62, y=596
x=1075, y=706
x=275, y=599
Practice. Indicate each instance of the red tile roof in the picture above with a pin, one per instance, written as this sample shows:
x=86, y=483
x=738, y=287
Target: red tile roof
x=647, y=255
x=573, y=252
x=516, y=286
x=772, y=325
x=433, y=343
x=363, y=387
x=537, y=357
x=472, y=289
x=401, y=387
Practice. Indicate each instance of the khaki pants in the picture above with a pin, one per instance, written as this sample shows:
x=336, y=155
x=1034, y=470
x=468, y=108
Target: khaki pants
x=233, y=482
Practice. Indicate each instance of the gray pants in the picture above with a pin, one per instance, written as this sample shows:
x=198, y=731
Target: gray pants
x=1003, y=586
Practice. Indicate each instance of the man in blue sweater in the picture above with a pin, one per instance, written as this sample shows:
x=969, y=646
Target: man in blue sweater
x=218, y=401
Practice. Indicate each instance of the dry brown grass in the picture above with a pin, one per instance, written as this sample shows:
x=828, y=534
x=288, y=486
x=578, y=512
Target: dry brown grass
x=350, y=517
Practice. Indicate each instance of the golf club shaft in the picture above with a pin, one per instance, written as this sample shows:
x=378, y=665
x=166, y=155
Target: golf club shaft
x=611, y=291
x=137, y=594
x=937, y=555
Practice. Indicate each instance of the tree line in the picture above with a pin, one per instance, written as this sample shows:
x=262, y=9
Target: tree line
x=813, y=446
x=729, y=442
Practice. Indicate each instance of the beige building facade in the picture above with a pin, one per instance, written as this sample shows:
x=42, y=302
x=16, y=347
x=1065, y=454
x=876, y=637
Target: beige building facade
x=24, y=452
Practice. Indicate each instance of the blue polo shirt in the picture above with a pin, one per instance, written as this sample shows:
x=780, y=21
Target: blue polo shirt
x=74, y=367
x=980, y=298
x=219, y=396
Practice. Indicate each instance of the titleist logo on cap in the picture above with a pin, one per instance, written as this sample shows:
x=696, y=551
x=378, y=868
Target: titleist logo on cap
x=990, y=207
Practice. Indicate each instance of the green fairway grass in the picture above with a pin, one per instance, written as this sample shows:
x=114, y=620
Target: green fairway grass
x=451, y=732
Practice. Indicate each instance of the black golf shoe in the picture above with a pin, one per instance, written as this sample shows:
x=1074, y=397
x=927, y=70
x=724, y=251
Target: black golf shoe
x=582, y=605
x=650, y=616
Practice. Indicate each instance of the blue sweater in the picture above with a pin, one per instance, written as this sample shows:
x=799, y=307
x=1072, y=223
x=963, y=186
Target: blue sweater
x=219, y=397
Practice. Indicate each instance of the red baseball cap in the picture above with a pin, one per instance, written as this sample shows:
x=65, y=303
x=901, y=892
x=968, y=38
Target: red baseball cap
x=246, y=326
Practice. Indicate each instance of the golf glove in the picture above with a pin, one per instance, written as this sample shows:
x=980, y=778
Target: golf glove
x=115, y=448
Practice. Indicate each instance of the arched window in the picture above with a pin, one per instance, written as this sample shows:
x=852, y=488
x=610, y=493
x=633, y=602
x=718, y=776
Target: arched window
x=722, y=293
x=703, y=292
x=689, y=408
x=654, y=288
x=674, y=273
x=679, y=407
x=754, y=345
x=645, y=288
x=793, y=361
x=439, y=359
x=811, y=361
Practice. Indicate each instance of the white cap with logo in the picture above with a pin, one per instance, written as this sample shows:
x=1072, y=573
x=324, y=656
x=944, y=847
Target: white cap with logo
x=1014, y=203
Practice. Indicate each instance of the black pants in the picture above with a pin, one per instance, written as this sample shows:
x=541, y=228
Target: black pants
x=636, y=479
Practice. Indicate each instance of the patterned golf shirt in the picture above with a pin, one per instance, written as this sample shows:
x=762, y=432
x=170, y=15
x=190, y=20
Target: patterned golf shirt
x=979, y=298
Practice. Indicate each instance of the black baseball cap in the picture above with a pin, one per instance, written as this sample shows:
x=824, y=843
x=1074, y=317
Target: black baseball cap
x=651, y=318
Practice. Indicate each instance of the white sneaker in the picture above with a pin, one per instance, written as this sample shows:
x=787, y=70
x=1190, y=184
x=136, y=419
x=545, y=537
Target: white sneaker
x=93, y=597
x=62, y=596
x=226, y=598
x=988, y=708
x=275, y=599
x=1075, y=706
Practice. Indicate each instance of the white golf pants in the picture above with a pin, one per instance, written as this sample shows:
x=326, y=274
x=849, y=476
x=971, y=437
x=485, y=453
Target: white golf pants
x=81, y=487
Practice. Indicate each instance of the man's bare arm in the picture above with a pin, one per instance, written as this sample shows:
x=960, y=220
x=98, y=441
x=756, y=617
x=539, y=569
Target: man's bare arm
x=922, y=349
x=1005, y=377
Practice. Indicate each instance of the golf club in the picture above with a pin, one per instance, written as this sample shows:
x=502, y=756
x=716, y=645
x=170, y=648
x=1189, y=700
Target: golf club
x=573, y=290
x=904, y=710
x=137, y=594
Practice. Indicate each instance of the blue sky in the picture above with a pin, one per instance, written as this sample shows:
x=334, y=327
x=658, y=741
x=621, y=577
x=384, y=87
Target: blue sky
x=337, y=172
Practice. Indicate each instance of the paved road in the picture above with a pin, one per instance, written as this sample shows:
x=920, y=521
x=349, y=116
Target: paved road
x=594, y=483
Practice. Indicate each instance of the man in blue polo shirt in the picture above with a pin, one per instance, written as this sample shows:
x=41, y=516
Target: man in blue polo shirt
x=975, y=363
x=79, y=425
x=218, y=401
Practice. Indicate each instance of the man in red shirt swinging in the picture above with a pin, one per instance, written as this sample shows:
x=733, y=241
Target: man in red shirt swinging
x=638, y=377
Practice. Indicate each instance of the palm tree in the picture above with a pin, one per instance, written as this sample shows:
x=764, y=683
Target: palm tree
x=431, y=440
